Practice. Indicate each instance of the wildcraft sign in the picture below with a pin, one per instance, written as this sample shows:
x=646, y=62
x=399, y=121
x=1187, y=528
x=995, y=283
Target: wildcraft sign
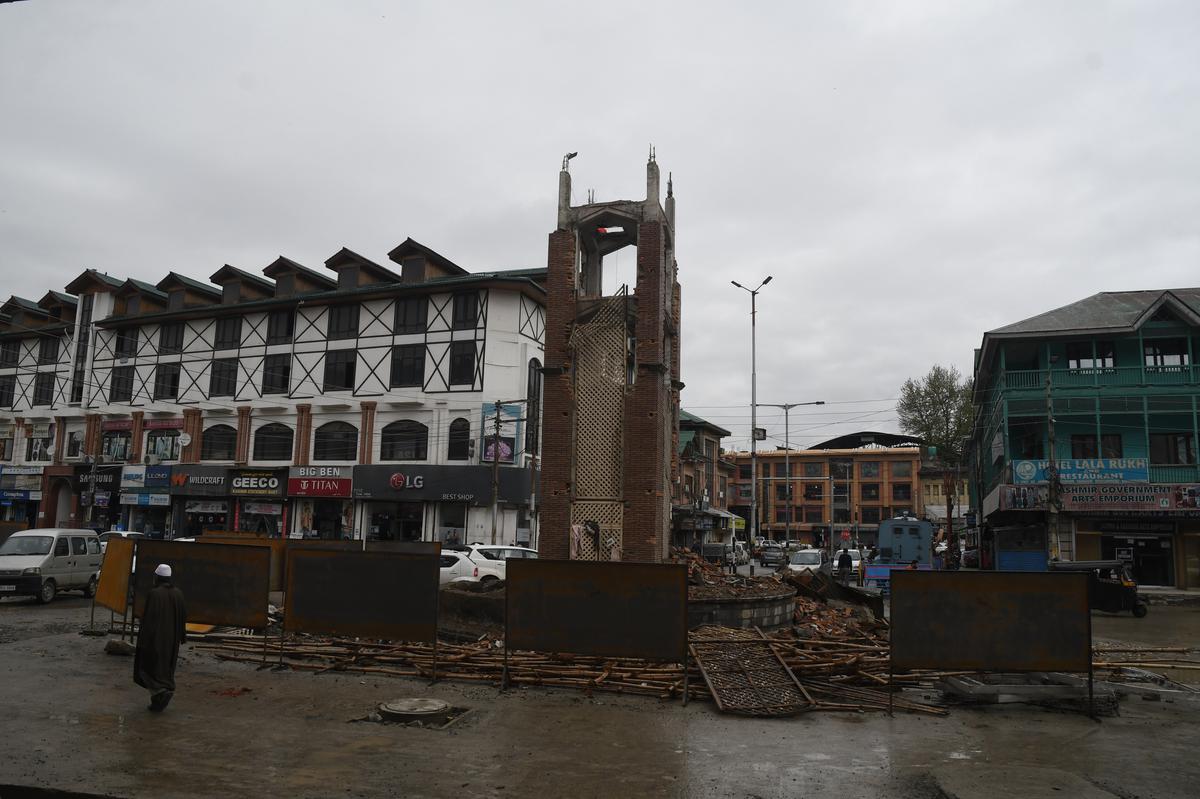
x=1084, y=470
x=257, y=482
x=204, y=481
x=320, y=481
x=472, y=484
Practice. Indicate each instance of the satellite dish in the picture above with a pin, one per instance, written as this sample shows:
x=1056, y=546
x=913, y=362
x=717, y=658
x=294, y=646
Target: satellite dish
x=185, y=439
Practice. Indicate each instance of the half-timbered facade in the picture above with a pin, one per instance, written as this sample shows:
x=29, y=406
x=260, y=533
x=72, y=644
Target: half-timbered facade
x=357, y=400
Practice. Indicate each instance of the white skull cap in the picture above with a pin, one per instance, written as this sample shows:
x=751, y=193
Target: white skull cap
x=163, y=570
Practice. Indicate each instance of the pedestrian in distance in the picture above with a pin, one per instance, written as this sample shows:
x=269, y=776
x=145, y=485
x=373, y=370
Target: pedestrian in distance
x=912, y=567
x=844, y=564
x=164, y=628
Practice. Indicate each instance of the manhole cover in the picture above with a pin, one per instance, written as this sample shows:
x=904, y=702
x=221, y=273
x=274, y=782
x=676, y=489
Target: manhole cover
x=416, y=709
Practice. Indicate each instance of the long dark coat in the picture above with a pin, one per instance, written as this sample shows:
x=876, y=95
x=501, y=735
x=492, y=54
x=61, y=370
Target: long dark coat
x=164, y=628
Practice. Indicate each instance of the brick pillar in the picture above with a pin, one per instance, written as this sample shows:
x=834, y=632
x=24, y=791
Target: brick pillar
x=135, y=437
x=558, y=399
x=91, y=435
x=60, y=436
x=366, y=431
x=242, y=452
x=646, y=463
x=303, y=434
x=193, y=425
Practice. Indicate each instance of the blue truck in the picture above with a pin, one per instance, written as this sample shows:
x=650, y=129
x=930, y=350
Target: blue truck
x=901, y=541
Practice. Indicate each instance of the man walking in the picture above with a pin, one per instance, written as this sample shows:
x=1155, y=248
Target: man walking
x=164, y=628
x=844, y=564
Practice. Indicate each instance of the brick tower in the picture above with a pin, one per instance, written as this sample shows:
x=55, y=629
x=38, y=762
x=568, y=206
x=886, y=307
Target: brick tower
x=611, y=394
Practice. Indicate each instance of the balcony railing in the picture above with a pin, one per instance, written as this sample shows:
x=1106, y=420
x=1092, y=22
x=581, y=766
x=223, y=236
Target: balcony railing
x=1175, y=473
x=1109, y=376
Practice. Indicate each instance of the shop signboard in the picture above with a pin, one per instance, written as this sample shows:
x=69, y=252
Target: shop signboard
x=1100, y=498
x=25, y=470
x=471, y=484
x=204, y=481
x=320, y=481
x=116, y=424
x=145, y=500
x=1084, y=471
x=174, y=423
x=257, y=482
x=102, y=480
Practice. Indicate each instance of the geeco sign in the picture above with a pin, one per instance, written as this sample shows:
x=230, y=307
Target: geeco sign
x=257, y=482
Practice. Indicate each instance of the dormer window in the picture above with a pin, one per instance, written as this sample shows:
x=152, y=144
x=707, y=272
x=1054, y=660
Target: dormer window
x=175, y=300
x=231, y=292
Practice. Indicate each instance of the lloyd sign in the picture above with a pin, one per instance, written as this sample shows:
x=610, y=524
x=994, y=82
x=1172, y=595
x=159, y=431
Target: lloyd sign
x=1084, y=470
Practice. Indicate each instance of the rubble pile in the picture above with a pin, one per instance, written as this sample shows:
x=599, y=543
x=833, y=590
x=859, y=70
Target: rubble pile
x=707, y=580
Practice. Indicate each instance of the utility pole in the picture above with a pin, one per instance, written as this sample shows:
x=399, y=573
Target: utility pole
x=1051, y=466
x=787, y=465
x=753, y=413
x=495, y=469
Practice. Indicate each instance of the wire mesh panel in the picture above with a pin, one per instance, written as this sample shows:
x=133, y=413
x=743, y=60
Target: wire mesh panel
x=748, y=677
x=599, y=345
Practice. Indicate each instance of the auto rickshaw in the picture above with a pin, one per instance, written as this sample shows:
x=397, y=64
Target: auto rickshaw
x=1111, y=588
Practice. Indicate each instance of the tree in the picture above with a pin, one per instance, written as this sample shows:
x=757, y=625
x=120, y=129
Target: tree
x=938, y=409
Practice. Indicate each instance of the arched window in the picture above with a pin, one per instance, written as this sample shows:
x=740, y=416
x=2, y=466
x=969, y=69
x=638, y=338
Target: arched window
x=336, y=441
x=460, y=441
x=219, y=442
x=273, y=442
x=404, y=441
x=533, y=407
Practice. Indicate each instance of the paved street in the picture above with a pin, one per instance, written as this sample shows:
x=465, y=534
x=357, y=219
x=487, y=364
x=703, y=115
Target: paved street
x=84, y=727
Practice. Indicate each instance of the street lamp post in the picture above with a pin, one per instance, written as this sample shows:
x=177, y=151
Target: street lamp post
x=787, y=466
x=753, y=415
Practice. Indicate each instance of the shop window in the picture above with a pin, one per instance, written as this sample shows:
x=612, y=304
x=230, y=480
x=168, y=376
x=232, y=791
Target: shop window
x=277, y=374
x=223, y=378
x=405, y=441
x=48, y=350
x=74, y=444
x=219, y=443
x=466, y=311
x=170, y=339
x=870, y=492
x=868, y=469
x=126, y=345
x=281, y=326
x=39, y=449
x=459, y=448
x=115, y=445
x=1172, y=448
x=6, y=449
x=163, y=444
x=272, y=442
x=339, y=369
x=462, y=363
x=410, y=315
x=8, y=390
x=120, y=384
x=229, y=333
x=533, y=407
x=902, y=469
x=902, y=492
x=408, y=366
x=336, y=441
x=43, y=389
x=10, y=352
x=1084, y=446
x=166, y=381
x=343, y=322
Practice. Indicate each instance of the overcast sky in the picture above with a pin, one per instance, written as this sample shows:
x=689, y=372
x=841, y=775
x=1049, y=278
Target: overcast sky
x=912, y=174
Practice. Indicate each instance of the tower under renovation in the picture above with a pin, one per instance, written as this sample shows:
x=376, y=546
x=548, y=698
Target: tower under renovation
x=611, y=394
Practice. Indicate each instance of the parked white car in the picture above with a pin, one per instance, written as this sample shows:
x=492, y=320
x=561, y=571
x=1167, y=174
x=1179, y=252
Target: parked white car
x=459, y=567
x=111, y=534
x=807, y=560
x=42, y=562
x=496, y=555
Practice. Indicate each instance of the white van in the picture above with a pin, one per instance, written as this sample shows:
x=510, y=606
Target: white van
x=43, y=562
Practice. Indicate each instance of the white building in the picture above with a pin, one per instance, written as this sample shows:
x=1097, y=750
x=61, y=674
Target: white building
x=356, y=401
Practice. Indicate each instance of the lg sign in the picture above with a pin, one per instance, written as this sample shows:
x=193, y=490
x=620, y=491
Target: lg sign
x=401, y=481
x=256, y=483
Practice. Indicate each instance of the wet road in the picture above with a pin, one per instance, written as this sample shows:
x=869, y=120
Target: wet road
x=83, y=726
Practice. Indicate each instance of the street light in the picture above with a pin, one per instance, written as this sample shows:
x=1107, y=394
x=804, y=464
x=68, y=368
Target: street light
x=787, y=448
x=753, y=416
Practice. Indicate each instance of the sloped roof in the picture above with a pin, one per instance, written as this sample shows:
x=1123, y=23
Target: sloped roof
x=348, y=256
x=228, y=272
x=78, y=285
x=410, y=246
x=1110, y=311
x=867, y=438
x=285, y=264
x=695, y=421
x=192, y=283
x=142, y=287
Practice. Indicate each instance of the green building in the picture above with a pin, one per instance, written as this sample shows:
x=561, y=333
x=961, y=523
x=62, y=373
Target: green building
x=1111, y=380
